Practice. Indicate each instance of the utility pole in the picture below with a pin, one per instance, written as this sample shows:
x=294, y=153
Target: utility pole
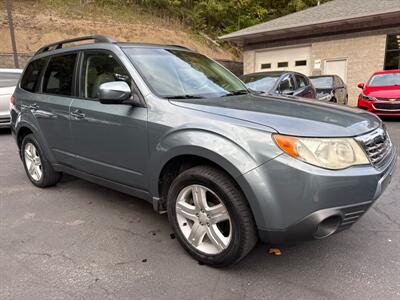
x=12, y=32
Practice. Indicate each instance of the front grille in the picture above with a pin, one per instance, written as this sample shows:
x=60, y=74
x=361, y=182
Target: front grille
x=388, y=106
x=388, y=99
x=377, y=145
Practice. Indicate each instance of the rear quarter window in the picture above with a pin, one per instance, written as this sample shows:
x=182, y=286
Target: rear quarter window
x=30, y=78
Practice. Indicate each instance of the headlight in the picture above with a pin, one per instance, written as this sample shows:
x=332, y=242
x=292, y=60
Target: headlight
x=364, y=97
x=328, y=153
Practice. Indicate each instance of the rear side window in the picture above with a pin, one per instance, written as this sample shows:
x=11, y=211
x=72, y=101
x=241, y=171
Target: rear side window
x=59, y=75
x=30, y=79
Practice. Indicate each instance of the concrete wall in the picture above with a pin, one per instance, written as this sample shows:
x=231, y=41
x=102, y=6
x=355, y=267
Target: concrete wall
x=364, y=54
x=249, y=59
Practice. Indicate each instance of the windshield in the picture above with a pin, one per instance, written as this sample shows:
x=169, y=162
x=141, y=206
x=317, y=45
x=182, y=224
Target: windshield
x=390, y=79
x=8, y=79
x=183, y=74
x=260, y=83
x=322, y=82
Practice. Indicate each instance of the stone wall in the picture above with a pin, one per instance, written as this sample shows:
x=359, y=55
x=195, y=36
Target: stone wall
x=364, y=54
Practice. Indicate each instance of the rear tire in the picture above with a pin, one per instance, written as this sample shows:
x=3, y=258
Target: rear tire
x=211, y=217
x=39, y=170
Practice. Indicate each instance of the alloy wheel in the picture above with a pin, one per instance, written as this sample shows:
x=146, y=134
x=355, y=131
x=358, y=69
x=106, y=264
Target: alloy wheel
x=33, y=162
x=203, y=219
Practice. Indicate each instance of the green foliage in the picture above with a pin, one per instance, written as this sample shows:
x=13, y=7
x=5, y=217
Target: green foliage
x=223, y=16
x=214, y=17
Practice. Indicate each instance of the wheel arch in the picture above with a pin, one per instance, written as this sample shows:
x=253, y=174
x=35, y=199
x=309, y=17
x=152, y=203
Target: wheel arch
x=23, y=130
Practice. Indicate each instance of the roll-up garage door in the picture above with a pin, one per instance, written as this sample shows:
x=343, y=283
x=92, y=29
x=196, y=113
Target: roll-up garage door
x=293, y=59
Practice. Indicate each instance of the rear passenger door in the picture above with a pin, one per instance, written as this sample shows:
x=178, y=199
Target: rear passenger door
x=51, y=101
x=109, y=140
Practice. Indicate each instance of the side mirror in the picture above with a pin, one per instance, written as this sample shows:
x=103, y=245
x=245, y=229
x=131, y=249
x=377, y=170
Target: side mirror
x=114, y=92
x=361, y=85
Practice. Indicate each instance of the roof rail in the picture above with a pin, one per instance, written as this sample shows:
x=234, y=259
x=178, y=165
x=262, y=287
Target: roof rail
x=59, y=45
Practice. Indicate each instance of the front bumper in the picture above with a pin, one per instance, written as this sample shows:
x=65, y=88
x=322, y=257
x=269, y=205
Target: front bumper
x=391, y=108
x=293, y=201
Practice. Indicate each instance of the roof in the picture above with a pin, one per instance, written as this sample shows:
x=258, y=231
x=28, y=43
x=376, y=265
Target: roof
x=270, y=73
x=331, y=12
x=387, y=72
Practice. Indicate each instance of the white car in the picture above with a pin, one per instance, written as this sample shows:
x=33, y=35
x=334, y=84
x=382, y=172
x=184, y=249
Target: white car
x=8, y=80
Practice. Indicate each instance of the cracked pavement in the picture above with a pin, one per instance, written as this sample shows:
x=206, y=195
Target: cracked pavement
x=79, y=240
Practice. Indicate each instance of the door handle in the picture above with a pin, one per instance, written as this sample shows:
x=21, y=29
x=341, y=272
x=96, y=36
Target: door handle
x=33, y=106
x=78, y=114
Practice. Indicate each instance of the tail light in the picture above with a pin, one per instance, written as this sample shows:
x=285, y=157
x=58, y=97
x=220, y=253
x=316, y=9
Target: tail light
x=12, y=100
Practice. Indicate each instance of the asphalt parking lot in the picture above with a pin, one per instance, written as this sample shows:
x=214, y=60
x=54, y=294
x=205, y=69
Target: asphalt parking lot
x=80, y=240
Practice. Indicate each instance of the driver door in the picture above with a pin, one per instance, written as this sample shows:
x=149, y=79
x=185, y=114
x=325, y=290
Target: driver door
x=109, y=140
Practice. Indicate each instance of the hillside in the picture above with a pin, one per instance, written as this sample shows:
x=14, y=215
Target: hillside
x=41, y=22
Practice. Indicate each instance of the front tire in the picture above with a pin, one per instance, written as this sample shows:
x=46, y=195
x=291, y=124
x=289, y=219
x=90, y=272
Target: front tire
x=211, y=217
x=39, y=170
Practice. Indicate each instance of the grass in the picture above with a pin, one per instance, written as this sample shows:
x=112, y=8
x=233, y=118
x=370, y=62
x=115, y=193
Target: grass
x=107, y=11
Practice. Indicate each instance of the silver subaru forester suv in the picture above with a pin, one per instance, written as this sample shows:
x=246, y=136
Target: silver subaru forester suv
x=175, y=128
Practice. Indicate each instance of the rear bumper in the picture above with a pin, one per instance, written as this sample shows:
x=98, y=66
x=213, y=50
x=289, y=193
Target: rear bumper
x=294, y=201
x=370, y=106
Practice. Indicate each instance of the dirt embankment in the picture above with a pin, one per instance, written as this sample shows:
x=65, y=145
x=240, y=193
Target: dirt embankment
x=37, y=28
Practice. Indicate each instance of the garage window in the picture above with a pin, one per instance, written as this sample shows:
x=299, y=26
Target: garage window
x=283, y=64
x=265, y=66
x=392, y=55
x=300, y=63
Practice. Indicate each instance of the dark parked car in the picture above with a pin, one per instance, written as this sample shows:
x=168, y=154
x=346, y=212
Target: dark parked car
x=173, y=127
x=330, y=88
x=280, y=83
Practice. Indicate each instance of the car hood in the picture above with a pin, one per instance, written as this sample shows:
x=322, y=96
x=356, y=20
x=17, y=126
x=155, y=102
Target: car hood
x=382, y=91
x=297, y=116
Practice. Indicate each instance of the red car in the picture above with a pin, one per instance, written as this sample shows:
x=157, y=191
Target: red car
x=381, y=95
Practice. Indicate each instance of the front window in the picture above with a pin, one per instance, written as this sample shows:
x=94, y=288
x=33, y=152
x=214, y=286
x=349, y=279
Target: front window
x=99, y=68
x=322, y=82
x=390, y=79
x=183, y=74
x=286, y=86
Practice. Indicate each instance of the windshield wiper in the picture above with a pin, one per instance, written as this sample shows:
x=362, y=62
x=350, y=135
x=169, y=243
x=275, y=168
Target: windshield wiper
x=183, y=97
x=236, y=93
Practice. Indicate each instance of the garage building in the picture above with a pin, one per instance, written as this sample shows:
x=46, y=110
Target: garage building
x=350, y=38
